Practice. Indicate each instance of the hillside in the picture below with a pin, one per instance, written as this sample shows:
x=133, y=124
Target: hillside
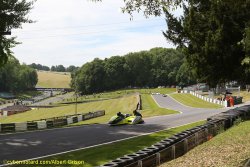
x=230, y=149
x=48, y=79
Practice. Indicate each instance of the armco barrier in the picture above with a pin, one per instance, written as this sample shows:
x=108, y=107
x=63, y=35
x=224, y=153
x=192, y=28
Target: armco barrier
x=75, y=119
x=79, y=117
x=69, y=120
x=49, y=123
x=20, y=126
x=41, y=125
x=179, y=144
x=32, y=125
x=60, y=122
x=8, y=127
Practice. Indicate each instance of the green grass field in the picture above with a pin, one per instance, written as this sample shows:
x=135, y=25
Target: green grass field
x=119, y=93
x=125, y=104
x=150, y=108
x=47, y=79
x=192, y=101
x=102, y=154
x=229, y=149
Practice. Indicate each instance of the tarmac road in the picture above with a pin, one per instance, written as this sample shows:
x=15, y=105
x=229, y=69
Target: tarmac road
x=29, y=145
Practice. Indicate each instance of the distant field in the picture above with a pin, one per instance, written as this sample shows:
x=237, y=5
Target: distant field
x=48, y=79
x=192, y=101
x=231, y=148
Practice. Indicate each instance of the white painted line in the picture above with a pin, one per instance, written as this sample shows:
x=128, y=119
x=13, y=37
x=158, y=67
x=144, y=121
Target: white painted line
x=101, y=144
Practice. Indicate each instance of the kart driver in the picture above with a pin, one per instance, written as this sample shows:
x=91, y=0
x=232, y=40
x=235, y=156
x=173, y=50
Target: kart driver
x=119, y=114
x=136, y=113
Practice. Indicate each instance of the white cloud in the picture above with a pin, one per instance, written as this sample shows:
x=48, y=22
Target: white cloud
x=74, y=32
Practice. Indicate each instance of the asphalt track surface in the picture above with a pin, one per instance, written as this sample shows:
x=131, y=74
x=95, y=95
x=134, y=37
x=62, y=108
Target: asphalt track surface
x=22, y=146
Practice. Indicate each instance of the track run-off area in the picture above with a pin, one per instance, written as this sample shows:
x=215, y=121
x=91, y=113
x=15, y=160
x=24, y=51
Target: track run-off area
x=37, y=144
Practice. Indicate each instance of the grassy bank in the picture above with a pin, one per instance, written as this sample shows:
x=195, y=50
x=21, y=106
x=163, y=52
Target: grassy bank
x=230, y=149
x=192, y=101
x=124, y=104
x=48, y=79
x=150, y=108
x=102, y=154
x=119, y=93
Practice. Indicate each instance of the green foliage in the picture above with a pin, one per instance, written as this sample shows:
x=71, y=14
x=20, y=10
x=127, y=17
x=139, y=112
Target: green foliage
x=148, y=7
x=39, y=67
x=12, y=15
x=157, y=67
x=15, y=77
x=59, y=68
x=211, y=33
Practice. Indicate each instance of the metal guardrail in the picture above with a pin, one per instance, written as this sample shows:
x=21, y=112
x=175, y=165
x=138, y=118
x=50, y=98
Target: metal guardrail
x=49, y=123
x=179, y=144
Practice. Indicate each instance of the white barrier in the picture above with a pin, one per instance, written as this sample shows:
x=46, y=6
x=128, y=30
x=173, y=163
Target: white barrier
x=79, y=118
x=69, y=120
x=21, y=126
x=41, y=125
x=215, y=101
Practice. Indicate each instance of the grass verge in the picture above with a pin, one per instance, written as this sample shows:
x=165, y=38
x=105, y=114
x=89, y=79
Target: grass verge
x=118, y=93
x=150, y=108
x=230, y=149
x=102, y=154
x=192, y=101
x=125, y=104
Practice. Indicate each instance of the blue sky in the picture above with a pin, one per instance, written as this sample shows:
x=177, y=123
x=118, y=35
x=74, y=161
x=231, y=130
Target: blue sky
x=77, y=31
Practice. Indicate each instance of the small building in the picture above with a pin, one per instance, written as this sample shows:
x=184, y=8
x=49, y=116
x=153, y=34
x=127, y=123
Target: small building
x=10, y=110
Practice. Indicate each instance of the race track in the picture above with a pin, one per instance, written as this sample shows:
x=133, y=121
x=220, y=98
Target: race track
x=22, y=146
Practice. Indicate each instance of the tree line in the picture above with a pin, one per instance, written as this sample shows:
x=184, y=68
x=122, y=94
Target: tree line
x=215, y=37
x=15, y=77
x=57, y=68
x=156, y=67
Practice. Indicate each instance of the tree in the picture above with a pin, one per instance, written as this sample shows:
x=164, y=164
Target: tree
x=148, y=7
x=53, y=68
x=12, y=14
x=157, y=67
x=211, y=33
x=116, y=75
x=15, y=77
x=60, y=68
x=71, y=68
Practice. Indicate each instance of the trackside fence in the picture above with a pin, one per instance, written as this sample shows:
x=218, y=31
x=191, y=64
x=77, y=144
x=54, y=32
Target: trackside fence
x=179, y=144
x=50, y=122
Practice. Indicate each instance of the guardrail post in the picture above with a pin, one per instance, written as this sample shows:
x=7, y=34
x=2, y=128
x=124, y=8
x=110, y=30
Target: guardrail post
x=173, y=152
x=206, y=133
x=158, y=159
x=140, y=163
x=185, y=145
x=196, y=138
